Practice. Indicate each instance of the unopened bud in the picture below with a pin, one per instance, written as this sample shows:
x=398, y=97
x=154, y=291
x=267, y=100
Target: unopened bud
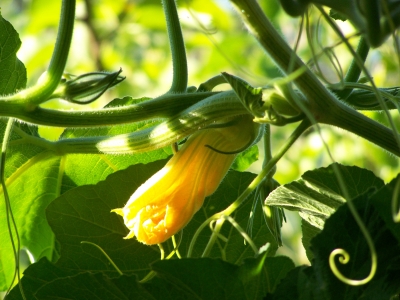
x=88, y=87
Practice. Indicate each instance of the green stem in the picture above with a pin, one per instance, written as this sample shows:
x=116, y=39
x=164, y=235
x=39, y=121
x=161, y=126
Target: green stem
x=161, y=107
x=323, y=105
x=360, y=63
x=106, y=255
x=219, y=106
x=365, y=127
x=267, y=145
x=354, y=71
x=363, y=97
x=253, y=185
x=179, y=64
x=11, y=224
x=395, y=202
x=49, y=81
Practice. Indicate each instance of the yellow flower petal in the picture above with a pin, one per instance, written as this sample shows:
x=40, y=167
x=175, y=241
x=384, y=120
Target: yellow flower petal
x=167, y=201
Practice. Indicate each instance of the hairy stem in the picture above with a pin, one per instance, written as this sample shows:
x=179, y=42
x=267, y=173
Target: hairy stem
x=161, y=107
x=179, y=64
x=322, y=104
x=220, y=106
x=49, y=81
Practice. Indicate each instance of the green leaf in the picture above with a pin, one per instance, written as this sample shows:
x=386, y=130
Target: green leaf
x=207, y=278
x=235, y=250
x=341, y=231
x=318, y=194
x=263, y=274
x=244, y=159
x=296, y=285
x=127, y=100
x=84, y=214
x=12, y=70
x=88, y=286
x=30, y=192
x=36, y=176
x=44, y=280
x=202, y=278
x=276, y=268
x=251, y=97
x=36, y=276
x=309, y=231
x=337, y=15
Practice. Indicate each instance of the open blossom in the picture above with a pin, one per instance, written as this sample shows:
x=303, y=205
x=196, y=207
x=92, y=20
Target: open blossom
x=166, y=202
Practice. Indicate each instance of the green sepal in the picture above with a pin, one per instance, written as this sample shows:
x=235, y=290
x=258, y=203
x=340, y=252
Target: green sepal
x=86, y=88
x=250, y=97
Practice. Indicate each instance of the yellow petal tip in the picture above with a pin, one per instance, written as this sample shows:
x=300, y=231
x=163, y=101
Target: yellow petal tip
x=118, y=211
x=130, y=235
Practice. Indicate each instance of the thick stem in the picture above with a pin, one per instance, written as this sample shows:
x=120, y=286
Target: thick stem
x=179, y=64
x=164, y=106
x=186, y=122
x=49, y=81
x=323, y=105
x=363, y=126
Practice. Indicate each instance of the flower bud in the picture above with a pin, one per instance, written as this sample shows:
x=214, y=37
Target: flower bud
x=277, y=102
x=167, y=201
x=88, y=87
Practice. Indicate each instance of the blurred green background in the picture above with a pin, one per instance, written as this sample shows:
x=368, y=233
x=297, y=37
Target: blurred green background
x=131, y=35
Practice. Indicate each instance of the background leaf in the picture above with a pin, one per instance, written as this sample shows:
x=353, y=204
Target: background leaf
x=35, y=276
x=341, y=231
x=196, y=278
x=235, y=250
x=12, y=70
x=263, y=274
x=245, y=159
x=318, y=194
x=36, y=176
x=88, y=286
x=202, y=278
x=294, y=286
x=84, y=214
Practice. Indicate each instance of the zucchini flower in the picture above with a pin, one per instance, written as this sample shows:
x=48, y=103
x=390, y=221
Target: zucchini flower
x=167, y=201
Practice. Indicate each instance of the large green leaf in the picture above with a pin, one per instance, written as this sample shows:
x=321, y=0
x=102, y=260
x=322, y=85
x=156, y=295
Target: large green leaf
x=28, y=209
x=12, y=70
x=197, y=278
x=93, y=286
x=296, y=285
x=262, y=275
x=318, y=194
x=83, y=214
x=12, y=79
x=43, y=280
x=342, y=232
x=234, y=250
x=202, y=278
x=37, y=275
x=207, y=278
x=35, y=176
